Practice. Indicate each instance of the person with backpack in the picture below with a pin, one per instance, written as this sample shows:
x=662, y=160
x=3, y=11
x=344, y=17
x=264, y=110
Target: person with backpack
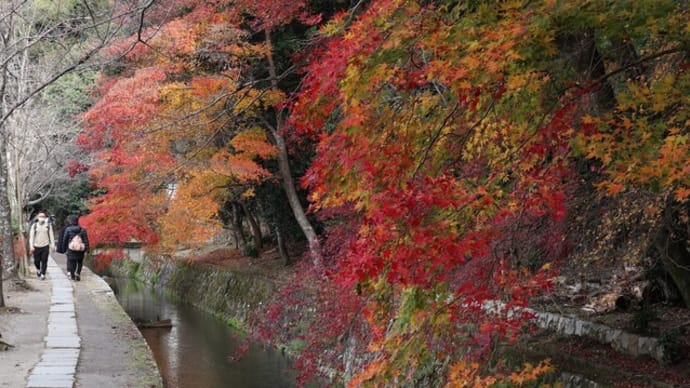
x=41, y=242
x=74, y=242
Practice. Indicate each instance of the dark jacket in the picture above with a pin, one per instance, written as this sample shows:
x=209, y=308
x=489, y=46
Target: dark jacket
x=66, y=236
x=59, y=246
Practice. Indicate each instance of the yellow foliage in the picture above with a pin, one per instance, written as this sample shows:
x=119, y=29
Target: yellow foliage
x=191, y=214
x=254, y=143
x=249, y=193
x=465, y=375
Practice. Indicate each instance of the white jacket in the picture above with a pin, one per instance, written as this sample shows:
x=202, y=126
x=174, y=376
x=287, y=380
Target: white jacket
x=41, y=235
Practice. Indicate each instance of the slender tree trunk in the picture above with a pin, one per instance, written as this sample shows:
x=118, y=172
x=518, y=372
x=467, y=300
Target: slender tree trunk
x=4, y=260
x=237, y=224
x=254, y=226
x=2, y=295
x=285, y=172
x=9, y=261
x=293, y=199
x=235, y=237
x=14, y=174
x=282, y=250
x=17, y=206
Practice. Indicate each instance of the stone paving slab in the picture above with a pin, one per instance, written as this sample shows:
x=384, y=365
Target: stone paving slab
x=63, y=332
x=62, y=370
x=58, y=362
x=63, y=324
x=62, y=316
x=58, y=302
x=62, y=300
x=63, y=342
x=62, y=321
x=63, y=307
x=56, y=315
x=62, y=327
x=63, y=289
x=67, y=298
x=57, y=357
x=45, y=381
x=54, y=354
x=60, y=353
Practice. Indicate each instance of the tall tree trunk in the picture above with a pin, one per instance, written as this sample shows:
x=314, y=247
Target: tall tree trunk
x=254, y=226
x=285, y=171
x=2, y=295
x=282, y=250
x=6, y=261
x=237, y=224
x=9, y=262
x=17, y=209
x=293, y=199
x=235, y=237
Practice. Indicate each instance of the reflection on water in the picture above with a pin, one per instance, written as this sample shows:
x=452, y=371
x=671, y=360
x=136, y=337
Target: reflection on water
x=195, y=351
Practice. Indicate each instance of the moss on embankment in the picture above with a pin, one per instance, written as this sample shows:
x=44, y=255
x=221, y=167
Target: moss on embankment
x=229, y=294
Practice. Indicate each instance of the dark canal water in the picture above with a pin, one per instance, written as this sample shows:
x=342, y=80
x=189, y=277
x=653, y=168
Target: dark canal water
x=195, y=351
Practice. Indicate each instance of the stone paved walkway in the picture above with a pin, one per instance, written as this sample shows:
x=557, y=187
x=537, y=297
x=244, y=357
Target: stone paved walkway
x=58, y=363
x=71, y=334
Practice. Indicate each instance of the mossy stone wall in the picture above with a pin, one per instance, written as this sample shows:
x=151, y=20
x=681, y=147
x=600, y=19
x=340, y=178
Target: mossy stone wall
x=229, y=294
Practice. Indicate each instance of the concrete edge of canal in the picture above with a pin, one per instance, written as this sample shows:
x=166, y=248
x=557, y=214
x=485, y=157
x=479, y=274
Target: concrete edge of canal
x=141, y=361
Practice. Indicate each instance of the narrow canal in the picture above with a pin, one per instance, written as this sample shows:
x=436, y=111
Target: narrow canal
x=195, y=352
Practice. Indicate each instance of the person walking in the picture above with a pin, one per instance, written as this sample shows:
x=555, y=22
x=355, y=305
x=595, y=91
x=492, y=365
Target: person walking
x=41, y=242
x=74, y=242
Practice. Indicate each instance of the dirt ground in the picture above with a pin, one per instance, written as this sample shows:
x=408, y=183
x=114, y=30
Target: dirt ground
x=268, y=264
x=23, y=324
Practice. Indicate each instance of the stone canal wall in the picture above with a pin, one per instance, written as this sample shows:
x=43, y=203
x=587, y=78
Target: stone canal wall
x=228, y=294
